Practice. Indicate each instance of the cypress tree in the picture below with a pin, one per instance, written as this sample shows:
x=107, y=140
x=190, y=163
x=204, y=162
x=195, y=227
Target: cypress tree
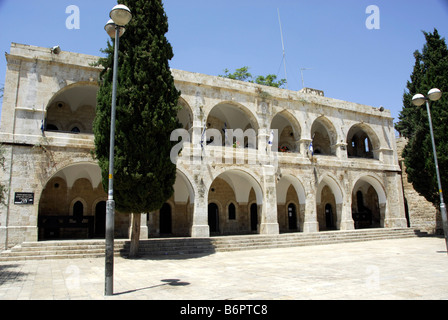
x=430, y=71
x=146, y=114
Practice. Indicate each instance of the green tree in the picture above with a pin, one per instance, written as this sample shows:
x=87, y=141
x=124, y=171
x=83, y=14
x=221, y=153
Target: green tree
x=430, y=71
x=270, y=80
x=243, y=74
x=146, y=115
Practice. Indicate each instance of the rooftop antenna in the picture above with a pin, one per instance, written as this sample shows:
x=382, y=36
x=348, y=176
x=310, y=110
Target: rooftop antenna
x=301, y=72
x=283, y=47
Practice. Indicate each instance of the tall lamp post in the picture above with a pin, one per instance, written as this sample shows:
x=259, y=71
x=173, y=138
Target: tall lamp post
x=418, y=100
x=120, y=16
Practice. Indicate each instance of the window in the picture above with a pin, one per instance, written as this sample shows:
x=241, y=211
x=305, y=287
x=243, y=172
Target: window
x=232, y=212
x=78, y=210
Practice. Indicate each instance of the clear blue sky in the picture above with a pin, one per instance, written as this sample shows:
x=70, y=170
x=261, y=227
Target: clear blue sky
x=347, y=60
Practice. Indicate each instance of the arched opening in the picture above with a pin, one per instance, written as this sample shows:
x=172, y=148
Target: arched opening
x=236, y=195
x=78, y=211
x=175, y=217
x=324, y=137
x=72, y=110
x=236, y=124
x=213, y=218
x=232, y=211
x=368, y=203
x=67, y=203
x=329, y=204
x=288, y=130
x=362, y=142
x=165, y=219
x=185, y=115
x=290, y=193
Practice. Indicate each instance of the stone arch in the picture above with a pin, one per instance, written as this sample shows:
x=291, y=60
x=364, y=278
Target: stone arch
x=76, y=200
x=74, y=183
x=335, y=187
x=288, y=129
x=232, y=115
x=324, y=136
x=73, y=105
x=185, y=114
x=362, y=142
x=371, y=212
x=183, y=188
x=284, y=198
x=329, y=192
x=240, y=188
x=239, y=179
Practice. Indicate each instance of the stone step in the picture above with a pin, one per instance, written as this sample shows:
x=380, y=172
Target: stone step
x=282, y=244
x=73, y=249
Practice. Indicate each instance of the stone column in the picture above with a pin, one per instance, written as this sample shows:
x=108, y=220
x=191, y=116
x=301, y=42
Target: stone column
x=341, y=150
x=200, y=227
x=304, y=146
x=344, y=212
x=395, y=216
x=143, y=227
x=310, y=224
x=269, y=220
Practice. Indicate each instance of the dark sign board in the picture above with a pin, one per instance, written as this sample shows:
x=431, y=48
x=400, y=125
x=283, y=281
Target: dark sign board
x=23, y=198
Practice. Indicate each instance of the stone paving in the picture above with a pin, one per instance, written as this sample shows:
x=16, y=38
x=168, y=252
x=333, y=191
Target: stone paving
x=403, y=269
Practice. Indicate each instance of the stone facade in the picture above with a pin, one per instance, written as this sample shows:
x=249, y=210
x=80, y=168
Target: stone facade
x=332, y=165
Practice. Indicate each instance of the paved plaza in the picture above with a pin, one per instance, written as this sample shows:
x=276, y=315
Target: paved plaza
x=409, y=269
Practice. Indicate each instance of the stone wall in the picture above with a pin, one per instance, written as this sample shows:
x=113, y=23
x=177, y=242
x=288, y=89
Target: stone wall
x=422, y=214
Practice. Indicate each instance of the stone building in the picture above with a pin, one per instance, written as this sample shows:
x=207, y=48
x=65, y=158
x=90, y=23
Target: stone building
x=250, y=158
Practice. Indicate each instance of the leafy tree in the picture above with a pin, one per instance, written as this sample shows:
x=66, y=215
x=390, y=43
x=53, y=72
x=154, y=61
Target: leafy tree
x=145, y=115
x=243, y=74
x=270, y=80
x=430, y=71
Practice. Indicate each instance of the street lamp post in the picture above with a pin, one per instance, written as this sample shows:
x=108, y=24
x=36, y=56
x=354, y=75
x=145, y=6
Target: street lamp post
x=120, y=17
x=419, y=100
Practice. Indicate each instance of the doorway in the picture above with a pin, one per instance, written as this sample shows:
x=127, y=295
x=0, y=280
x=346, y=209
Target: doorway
x=329, y=220
x=253, y=217
x=165, y=219
x=213, y=217
x=292, y=217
